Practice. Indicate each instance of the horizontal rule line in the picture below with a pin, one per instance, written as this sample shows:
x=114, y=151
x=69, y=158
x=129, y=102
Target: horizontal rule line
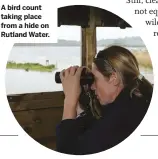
x=148, y=135
x=8, y=135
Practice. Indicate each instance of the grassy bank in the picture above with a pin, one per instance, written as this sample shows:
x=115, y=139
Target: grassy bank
x=30, y=66
x=144, y=59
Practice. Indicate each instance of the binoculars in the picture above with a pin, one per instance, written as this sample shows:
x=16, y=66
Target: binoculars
x=88, y=101
x=86, y=77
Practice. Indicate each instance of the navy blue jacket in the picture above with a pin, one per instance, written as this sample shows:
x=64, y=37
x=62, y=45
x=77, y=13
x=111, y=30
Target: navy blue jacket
x=87, y=135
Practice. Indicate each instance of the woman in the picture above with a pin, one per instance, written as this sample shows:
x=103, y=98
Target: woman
x=123, y=93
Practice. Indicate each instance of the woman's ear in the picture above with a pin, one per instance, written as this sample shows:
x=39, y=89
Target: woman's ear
x=114, y=79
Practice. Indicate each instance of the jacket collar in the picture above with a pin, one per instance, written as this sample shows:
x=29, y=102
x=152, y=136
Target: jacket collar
x=122, y=99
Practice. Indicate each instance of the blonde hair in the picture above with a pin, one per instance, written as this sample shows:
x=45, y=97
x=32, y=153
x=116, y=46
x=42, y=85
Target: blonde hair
x=125, y=64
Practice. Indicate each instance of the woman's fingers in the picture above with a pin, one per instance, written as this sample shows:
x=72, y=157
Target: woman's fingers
x=73, y=70
x=79, y=71
x=62, y=75
x=67, y=71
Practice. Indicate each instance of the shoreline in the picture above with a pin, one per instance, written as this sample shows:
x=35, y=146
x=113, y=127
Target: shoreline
x=30, y=67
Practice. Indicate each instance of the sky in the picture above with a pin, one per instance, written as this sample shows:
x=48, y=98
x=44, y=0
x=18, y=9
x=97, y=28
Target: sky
x=74, y=33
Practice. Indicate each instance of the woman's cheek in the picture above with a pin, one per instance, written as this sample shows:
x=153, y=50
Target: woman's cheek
x=100, y=92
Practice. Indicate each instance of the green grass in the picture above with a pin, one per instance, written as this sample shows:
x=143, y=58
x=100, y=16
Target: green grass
x=30, y=66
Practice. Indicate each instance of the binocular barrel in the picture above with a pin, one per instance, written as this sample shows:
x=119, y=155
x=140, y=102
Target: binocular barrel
x=57, y=77
x=87, y=78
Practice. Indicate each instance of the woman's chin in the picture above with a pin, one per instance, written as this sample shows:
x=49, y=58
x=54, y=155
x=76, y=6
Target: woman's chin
x=102, y=102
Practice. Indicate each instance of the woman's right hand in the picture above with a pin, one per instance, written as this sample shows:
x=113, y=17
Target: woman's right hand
x=70, y=79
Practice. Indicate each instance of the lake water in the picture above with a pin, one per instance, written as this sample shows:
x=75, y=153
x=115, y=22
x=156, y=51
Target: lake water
x=20, y=81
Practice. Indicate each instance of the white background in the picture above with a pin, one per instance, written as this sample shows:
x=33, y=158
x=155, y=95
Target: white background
x=135, y=146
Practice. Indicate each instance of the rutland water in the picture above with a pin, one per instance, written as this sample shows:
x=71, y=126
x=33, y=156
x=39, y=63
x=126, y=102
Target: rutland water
x=25, y=34
x=18, y=81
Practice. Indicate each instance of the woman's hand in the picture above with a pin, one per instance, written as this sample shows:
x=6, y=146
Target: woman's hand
x=70, y=79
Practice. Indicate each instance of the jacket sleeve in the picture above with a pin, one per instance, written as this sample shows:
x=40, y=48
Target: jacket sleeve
x=80, y=138
x=71, y=137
